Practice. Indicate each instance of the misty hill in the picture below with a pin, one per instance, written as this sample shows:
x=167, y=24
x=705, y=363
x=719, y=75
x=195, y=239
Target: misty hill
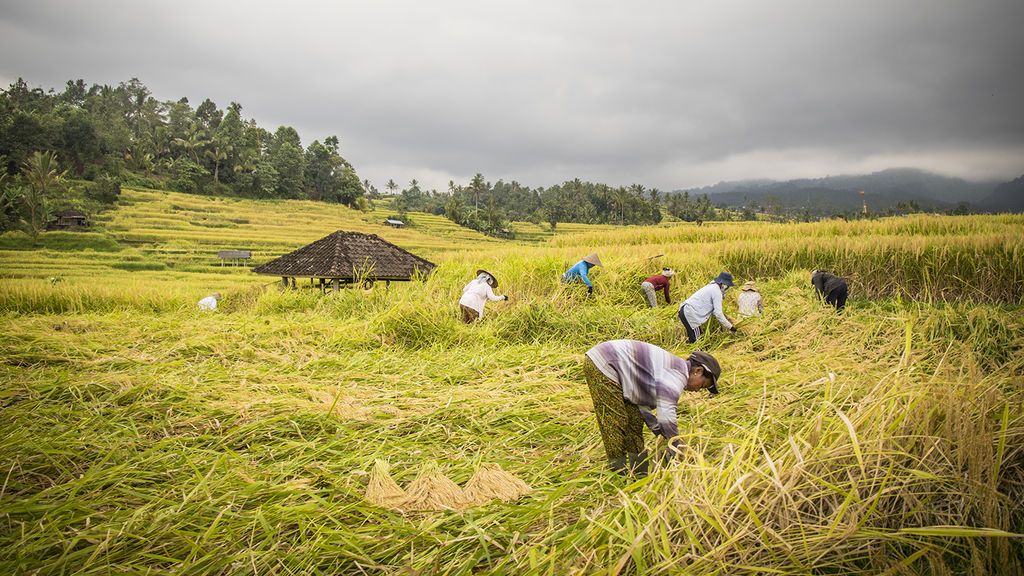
x=1007, y=197
x=882, y=190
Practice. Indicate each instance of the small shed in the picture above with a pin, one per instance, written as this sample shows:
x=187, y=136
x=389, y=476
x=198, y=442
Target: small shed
x=347, y=258
x=235, y=256
x=68, y=219
x=394, y=223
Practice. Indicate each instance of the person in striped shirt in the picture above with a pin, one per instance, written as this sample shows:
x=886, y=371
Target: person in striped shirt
x=627, y=380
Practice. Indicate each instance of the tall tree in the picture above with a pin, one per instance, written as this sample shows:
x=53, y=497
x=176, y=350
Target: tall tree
x=44, y=177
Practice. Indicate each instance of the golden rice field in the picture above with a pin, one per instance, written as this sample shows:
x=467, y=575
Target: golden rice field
x=139, y=436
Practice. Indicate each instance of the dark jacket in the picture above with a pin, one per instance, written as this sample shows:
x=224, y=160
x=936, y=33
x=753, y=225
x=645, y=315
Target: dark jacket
x=826, y=283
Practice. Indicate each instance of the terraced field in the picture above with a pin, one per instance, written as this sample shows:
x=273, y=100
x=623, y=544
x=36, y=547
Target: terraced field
x=142, y=436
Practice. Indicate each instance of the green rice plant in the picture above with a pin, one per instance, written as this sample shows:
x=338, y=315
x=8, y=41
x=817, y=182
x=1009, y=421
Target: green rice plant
x=140, y=435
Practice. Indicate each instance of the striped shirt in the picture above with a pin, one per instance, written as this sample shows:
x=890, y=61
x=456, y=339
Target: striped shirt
x=651, y=378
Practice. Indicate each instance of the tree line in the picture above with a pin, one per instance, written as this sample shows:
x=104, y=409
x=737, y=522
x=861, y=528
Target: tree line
x=103, y=136
x=489, y=207
x=123, y=132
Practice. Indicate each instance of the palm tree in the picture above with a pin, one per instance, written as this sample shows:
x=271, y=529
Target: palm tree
x=391, y=186
x=218, y=153
x=192, y=144
x=44, y=177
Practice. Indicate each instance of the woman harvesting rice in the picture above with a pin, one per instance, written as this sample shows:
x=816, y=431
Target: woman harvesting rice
x=476, y=294
x=581, y=271
x=629, y=378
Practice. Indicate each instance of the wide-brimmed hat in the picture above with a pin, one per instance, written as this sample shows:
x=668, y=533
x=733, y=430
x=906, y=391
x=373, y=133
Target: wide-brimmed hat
x=593, y=259
x=749, y=285
x=493, y=279
x=668, y=272
x=724, y=278
x=710, y=365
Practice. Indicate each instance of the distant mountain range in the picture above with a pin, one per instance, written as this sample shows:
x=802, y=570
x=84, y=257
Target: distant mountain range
x=883, y=191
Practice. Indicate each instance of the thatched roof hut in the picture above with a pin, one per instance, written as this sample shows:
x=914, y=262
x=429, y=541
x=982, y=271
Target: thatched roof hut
x=347, y=257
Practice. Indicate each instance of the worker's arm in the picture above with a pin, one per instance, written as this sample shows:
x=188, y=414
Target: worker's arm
x=650, y=419
x=667, y=426
x=716, y=301
x=491, y=296
x=585, y=276
x=668, y=298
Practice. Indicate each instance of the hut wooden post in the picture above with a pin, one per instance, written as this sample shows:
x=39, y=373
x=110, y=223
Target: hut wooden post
x=284, y=282
x=336, y=284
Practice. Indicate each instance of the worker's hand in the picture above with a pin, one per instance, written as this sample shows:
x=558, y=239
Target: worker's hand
x=732, y=329
x=506, y=297
x=590, y=290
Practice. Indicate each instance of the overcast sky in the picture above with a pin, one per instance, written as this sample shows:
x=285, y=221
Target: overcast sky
x=669, y=94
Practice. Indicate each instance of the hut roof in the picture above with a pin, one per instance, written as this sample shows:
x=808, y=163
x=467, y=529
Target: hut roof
x=348, y=255
x=69, y=214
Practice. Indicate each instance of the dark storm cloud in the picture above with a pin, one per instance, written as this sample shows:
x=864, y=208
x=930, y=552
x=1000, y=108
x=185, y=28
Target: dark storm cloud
x=668, y=94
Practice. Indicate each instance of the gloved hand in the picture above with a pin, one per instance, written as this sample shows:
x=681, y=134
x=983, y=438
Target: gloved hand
x=506, y=297
x=590, y=290
x=732, y=329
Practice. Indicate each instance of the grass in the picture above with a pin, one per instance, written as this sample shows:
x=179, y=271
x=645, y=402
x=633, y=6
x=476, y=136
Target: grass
x=141, y=436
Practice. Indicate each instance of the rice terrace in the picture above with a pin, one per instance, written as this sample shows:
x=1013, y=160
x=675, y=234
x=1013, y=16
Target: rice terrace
x=141, y=435
x=530, y=288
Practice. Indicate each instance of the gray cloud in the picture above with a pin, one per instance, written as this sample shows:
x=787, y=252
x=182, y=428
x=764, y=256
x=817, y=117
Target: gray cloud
x=664, y=93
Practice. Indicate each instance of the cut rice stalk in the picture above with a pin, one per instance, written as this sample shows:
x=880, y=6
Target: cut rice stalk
x=432, y=490
x=491, y=481
x=382, y=490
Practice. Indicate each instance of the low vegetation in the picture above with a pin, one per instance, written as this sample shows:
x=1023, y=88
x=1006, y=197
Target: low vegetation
x=142, y=436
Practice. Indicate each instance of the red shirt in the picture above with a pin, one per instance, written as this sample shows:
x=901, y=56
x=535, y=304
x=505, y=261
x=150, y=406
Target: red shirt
x=660, y=282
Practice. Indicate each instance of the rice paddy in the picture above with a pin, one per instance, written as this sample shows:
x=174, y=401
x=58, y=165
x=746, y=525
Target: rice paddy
x=138, y=435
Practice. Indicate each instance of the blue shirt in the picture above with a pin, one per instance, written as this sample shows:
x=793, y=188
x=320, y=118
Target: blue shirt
x=580, y=271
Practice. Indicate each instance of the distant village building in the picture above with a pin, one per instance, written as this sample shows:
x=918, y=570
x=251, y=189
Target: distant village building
x=347, y=258
x=394, y=223
x=68, y=219
x=234, y=256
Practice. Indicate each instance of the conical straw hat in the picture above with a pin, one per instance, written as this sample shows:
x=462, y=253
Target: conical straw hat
x=593, y=259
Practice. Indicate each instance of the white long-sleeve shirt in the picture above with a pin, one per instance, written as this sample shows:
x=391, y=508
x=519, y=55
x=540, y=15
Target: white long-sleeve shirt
x=704, y=303
x=476, y=294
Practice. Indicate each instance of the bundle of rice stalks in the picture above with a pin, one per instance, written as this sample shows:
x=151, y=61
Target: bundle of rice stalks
x=382, y=490
x=491, y=481
x=432, y=490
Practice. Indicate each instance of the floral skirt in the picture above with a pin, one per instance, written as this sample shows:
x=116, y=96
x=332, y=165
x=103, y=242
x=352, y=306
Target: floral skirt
x=618, y=419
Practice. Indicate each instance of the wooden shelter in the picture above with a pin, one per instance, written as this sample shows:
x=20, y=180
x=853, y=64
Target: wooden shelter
x=347, y=258
x=68, y=219
x=234, y=256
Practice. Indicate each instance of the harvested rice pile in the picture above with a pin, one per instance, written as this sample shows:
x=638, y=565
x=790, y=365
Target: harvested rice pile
x=382, y=490
x=432, y=490
x=491, y=481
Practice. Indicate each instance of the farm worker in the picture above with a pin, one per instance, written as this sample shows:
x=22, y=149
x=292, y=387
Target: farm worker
x=696, y=309
x=629, y=378
x=210, y=302
x=476, y=294
x=580, y=271
x=830, y=287
x=652, y=284
x=749, y=300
